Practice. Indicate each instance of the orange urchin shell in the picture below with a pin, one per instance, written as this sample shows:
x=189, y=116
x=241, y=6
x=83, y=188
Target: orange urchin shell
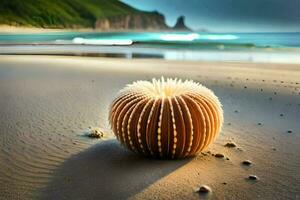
x=169, y=119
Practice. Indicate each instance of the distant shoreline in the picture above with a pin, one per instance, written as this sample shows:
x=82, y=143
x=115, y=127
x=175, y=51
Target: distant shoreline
x=23, y=29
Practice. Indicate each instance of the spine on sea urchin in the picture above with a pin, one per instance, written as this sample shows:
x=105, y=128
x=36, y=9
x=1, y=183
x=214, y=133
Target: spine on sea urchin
x=168, y=119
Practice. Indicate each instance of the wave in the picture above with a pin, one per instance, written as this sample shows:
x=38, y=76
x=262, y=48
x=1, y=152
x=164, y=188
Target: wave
x=109, y=42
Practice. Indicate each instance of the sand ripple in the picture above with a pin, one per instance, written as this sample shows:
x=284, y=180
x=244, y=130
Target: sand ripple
x=45, y=111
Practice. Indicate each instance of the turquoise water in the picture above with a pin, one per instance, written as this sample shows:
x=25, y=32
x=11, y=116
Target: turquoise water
x=236, y=47
x=177, y=39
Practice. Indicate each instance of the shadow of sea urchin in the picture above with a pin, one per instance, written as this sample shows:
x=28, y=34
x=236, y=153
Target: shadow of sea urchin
x=169, y=119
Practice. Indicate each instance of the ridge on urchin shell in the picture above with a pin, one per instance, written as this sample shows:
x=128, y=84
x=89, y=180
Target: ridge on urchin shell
x=166, y=118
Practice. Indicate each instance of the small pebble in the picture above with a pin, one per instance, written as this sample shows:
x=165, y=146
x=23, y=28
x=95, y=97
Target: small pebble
x=245, y=87
x=281, y=115
x=259, y=123
x=219, y=155
x=289, y=131
x=252, y=177
x=224, y=183
x=247, y=162
x=274, y=149
x=240, y=149
x=230, y=144
x=204, y=189
x=229, y=124
x=94, y=133
x=236, y=111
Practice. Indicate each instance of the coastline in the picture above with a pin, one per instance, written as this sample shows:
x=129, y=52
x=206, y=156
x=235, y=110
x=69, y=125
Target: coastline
x=140, y=51
x=48, y=102
x=7, y=29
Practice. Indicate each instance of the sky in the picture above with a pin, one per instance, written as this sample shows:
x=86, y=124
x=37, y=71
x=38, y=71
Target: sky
x=228, y=15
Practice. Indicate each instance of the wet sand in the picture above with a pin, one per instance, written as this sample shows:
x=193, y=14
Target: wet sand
x=47, y=103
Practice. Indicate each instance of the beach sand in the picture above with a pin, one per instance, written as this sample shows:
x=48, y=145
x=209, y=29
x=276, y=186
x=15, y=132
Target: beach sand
x=23, y=29
x=47, y=104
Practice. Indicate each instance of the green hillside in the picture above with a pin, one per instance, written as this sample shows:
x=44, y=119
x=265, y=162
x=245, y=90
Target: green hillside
x=60, y=13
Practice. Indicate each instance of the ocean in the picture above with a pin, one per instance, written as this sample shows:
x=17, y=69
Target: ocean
x=254, y=47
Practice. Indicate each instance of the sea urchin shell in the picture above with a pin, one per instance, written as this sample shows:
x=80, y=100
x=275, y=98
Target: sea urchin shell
x=169, y=119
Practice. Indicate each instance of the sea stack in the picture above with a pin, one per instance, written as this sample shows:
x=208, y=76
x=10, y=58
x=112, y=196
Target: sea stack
x=180, y=25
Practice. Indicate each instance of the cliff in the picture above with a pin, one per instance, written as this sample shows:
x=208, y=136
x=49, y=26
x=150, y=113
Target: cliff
x=76, y=14
x=135, y=21
x=103, y=15
x=139, y=21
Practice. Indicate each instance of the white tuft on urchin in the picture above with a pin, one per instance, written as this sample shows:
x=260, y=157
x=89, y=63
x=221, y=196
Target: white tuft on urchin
x=166, y=118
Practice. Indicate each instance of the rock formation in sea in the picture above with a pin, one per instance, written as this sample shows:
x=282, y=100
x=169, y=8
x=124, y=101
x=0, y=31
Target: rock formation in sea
x=180, y=24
